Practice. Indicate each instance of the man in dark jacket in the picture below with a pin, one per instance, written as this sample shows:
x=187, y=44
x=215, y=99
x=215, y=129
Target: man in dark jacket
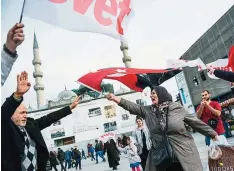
x=61, y=157
x=77, y=157
x=23, y=146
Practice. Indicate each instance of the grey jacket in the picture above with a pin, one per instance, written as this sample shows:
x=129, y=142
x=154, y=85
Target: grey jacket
x=6, y=64
x=138, y=137
x=181, y=141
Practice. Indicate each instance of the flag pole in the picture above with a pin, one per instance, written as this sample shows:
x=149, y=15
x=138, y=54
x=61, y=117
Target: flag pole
x=22, y=12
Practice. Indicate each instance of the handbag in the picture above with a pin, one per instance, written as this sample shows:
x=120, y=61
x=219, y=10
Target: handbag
x=163, y=154
x=212, y=122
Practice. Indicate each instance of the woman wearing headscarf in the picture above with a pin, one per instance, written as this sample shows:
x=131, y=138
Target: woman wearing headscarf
x=112, y=153
x=173, y=148
x=141, y=135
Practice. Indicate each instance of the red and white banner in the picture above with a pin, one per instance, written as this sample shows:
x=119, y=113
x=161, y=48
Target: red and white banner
x=104, y=138
x=108, y=17
x=127, y=76
x=180, y=63
x=221, y=64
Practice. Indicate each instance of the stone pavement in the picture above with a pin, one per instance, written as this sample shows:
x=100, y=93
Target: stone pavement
x=88, y=165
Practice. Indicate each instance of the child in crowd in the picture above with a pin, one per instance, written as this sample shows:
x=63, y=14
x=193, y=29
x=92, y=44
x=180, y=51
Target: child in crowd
x=131, y=150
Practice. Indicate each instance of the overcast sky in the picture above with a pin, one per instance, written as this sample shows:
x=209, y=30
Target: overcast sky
x=166, y=29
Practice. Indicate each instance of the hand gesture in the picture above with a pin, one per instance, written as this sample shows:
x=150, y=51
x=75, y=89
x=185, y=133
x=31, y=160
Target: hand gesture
x=206, y=103
x=215, y=138
x=113, y=98
x=110, y=97
x=15, y=37
x=202, y=103
x=210, y=70
x=75, y=102
x=22, y=84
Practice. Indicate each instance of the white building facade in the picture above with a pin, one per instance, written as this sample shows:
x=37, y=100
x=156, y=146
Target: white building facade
x=90, y=120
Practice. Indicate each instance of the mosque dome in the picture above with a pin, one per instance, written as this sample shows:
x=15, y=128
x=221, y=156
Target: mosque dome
x=66, y=94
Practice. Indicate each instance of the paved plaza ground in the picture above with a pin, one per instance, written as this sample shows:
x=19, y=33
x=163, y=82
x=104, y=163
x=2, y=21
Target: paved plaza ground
x=88, y=165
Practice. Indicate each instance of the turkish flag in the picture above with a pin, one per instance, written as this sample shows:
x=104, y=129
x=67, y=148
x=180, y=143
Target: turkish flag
x=231, y=58
x=135, y=79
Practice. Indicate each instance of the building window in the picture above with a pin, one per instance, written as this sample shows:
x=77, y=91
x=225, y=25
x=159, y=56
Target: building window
x=64, y=141
x=203, y=76
x=110, y=126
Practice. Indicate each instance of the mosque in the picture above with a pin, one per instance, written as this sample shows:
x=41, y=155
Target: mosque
x=92, y=118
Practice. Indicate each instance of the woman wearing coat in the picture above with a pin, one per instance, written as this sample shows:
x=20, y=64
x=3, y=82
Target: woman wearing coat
x=180, y=141
x=112, y=153
x=53, y=160
x=141, y=135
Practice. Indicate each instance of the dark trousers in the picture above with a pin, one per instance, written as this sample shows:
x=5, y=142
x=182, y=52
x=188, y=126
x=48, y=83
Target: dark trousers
x=68, y=164
x=62, y=166
x=55, y=168
x=143, y=157
x=173, y=167
x=78, y=162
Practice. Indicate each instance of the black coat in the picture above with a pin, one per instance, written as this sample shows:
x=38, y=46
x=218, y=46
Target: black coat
x=225, y=75
x=53, y=160
x=13, y=142
x=112, y=154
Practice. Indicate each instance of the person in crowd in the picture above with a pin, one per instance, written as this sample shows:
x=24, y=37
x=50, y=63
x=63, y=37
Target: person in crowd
x=226, y=117
x=24, y=146
x=77, y=157
x=53, y=160
x=165, y=118
x=91, y=151
x=73, y=162
x=61, y=158
x=225, y=75
x=83, y=154
x=210, y=113
x=142, y=137
x=124, y=140
x=9, y=54
x=131, y=150
x=112, y=153
x=99, y=151
x=68, y=158
x=101, y=145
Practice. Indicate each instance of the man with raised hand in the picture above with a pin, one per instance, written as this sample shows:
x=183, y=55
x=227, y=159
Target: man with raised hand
x=23, y=146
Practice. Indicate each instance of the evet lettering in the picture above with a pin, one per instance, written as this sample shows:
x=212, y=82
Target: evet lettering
x=81, y=6
x=221, y=68
x=100, y=7
x=58, y=1
x=125, y=10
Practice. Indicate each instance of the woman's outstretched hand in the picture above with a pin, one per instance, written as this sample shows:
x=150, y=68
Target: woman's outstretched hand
x=112, y=97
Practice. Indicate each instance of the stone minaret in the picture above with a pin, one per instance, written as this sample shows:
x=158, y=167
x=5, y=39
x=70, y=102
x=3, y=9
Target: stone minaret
x=37, y=74
x=126, y=59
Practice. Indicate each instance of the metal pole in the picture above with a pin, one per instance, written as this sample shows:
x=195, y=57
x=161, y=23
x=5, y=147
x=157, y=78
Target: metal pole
x=22, y=12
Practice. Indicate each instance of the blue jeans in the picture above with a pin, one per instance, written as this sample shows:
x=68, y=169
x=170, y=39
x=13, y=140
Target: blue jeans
x=208, y=139
x=100, y=154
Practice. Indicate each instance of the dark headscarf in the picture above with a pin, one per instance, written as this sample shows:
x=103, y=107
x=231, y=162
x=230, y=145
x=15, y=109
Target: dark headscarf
x=163, y=94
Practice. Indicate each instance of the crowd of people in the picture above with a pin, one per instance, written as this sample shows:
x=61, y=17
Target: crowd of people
x=71, y=158
x=159, y=143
